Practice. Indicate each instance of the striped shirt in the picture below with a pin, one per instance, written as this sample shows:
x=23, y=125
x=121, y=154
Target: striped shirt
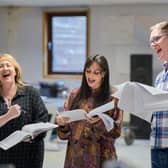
x=159, y=122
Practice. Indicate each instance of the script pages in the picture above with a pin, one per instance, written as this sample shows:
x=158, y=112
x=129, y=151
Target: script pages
x=74, y=115
x=28, y=131
x=80, y=114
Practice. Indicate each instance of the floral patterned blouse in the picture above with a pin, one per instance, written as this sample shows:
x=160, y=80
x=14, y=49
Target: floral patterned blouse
x=89, y=145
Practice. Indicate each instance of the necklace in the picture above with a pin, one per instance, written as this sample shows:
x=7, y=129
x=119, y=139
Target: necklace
x=8, y=102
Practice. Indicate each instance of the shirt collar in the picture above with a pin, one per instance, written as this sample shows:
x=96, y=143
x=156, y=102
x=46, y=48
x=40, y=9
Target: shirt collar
x=20, y=91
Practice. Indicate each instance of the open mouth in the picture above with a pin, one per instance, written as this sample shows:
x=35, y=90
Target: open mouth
x=91, y=81
x=5, y=75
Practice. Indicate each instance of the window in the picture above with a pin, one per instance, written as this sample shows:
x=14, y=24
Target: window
x=65, y=43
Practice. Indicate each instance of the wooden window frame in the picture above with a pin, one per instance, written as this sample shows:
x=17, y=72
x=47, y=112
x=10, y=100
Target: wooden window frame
x=47, y=57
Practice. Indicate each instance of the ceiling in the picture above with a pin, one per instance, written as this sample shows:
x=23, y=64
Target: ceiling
x=76, y=2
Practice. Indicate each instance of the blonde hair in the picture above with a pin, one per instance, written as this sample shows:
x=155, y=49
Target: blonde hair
x=18, y=78
x=162, y=26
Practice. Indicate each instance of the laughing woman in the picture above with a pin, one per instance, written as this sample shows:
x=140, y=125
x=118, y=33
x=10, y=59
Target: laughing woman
x=25, y=102
x=89, y=143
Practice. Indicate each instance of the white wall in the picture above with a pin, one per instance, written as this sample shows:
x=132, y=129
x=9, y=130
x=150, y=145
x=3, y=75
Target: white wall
x=115, y=31
x=3, y=30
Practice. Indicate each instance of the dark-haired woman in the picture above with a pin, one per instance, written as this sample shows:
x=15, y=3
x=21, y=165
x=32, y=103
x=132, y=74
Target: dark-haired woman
x=89, y=142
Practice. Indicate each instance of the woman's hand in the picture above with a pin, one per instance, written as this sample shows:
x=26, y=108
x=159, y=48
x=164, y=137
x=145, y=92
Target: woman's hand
x=61, y=121
x=92, y=120
x=14, y=111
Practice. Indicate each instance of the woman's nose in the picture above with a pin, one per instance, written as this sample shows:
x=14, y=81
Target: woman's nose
x=91, y=74
x=5, y=67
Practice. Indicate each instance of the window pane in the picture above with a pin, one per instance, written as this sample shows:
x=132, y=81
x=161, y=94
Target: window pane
x=69, y=41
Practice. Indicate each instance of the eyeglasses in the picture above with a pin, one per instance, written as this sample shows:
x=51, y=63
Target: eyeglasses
x=155, y=39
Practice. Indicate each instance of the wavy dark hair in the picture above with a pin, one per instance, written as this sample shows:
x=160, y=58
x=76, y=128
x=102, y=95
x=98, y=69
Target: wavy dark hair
x=85, y=91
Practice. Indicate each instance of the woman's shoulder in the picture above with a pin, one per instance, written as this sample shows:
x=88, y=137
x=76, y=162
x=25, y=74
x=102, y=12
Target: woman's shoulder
x=70, y=98
x=74, y=91
x=30, y=89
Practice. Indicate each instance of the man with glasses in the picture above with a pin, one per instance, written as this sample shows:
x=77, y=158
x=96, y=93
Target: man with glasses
x=159, y=121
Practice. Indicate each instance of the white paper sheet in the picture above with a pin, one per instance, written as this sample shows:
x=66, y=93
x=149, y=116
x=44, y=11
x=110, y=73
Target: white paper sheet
x=141, y=100
x=80, y=114
x=74, y=115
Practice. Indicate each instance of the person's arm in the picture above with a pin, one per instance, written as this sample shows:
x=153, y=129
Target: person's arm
x=40, y=112
x=116, y=131
x=64, y=130
x=13, y=112
x=97, y=128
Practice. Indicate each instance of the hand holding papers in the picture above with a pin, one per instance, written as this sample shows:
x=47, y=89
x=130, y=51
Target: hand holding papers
x=141, y=100
x=80, y=114
x=136, y=98
x=27, y=131
x=99, y=111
